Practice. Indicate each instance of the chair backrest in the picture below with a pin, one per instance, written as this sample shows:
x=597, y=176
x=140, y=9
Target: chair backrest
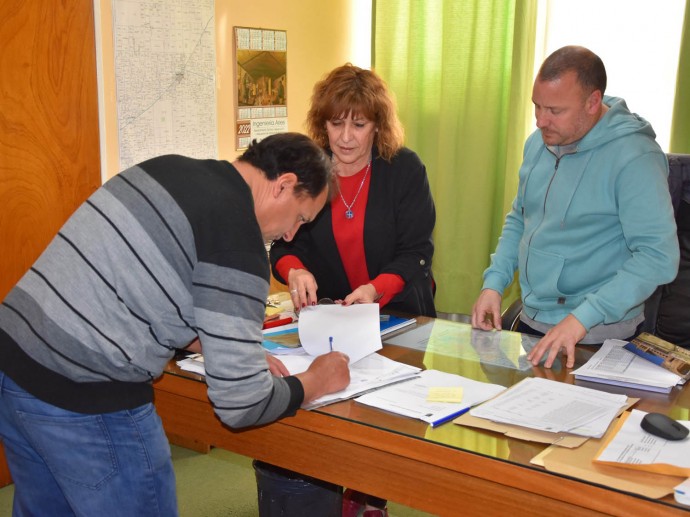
x=511, y=316
x=667, y=311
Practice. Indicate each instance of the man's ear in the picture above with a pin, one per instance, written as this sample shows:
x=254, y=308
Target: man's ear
x=594, y=101
x=285, y=183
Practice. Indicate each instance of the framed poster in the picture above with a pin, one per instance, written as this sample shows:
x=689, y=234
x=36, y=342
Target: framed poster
x=261, y=78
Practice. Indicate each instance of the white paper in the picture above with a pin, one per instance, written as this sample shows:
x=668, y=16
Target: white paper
x=634, y=445
x=193, y=363
x=368, y=373
x=410, y=398
x=554, y=407
x=682, y=492
x=614, y=363
x=352, y=329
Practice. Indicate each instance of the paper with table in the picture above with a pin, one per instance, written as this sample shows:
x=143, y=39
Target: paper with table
x=632, y=447
x=577, y=463
x=554, y=407
x=613, y=364
x=411, y=398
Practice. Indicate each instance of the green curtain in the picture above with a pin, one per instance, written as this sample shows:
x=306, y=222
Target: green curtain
x=680, y=128
x=462, y=73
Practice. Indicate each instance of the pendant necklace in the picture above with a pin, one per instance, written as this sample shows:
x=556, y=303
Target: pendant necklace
x=349, y=214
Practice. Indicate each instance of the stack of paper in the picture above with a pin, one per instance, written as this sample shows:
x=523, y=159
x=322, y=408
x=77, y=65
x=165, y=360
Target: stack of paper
x=632, y=447
x=613, y=364
x=193, y=363
x=554, y=407
x=353, y=330
x=411, y=398
x=366, y=374
x=390, y=324
x=369, y=373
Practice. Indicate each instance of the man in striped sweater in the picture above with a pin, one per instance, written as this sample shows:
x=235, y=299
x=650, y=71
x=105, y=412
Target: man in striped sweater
x=168, y=251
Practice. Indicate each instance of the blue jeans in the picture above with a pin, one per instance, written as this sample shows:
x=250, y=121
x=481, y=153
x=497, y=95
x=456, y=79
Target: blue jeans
x=67, y=463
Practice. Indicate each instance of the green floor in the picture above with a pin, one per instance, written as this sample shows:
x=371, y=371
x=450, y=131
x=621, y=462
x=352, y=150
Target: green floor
x=213, y=485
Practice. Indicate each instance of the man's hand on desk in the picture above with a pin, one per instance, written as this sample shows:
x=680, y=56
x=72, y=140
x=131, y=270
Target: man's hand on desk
x=327, y=374
x=194, y=346
x=276, y=366
x=563, y=336
x=486, y=313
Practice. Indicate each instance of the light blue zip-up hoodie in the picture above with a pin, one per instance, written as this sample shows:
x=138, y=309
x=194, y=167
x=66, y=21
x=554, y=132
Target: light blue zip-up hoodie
x=592, y=233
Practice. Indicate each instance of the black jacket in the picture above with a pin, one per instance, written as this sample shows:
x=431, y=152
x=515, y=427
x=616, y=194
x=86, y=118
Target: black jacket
x=400, y=217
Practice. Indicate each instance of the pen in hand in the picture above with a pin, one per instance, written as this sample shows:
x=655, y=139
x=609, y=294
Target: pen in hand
x=330, y=343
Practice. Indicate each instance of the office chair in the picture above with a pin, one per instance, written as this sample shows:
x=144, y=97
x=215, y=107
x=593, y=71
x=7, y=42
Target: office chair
x=511, y=316
x=667, y=311
x=454, y=316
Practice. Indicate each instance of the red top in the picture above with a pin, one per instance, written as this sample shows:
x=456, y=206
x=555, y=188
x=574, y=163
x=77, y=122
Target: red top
x=349, y=238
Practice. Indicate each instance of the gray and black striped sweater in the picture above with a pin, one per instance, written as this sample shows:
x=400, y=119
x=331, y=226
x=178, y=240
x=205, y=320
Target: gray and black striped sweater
x=162, y=253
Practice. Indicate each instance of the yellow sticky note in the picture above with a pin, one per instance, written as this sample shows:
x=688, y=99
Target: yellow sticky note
x=270, y=311
x=445, y=394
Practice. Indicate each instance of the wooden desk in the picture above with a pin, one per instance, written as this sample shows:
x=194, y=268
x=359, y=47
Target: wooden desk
x=450, y=470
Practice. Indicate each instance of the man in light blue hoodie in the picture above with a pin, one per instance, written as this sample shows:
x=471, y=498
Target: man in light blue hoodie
x=591, y=230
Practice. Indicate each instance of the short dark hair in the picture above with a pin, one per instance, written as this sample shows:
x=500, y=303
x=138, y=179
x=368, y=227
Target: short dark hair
x=292, y=152
x=590, y=70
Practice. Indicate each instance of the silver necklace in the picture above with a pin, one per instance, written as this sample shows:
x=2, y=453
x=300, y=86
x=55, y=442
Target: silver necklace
x=349, y=214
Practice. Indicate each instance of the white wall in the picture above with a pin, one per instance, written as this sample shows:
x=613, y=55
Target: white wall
x=639, y=42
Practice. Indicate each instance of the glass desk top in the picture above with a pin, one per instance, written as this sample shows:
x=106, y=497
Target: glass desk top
x=494, y=357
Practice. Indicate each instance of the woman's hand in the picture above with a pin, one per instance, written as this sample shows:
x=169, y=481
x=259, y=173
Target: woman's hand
x=302, y=285
x=363, y=294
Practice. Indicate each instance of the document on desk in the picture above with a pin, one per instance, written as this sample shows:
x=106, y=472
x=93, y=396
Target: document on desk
x=633, y=447
x=285, y=340
x=369, y=373
x=352, y=329
x=613, y=364
x=411, y=398
x=193, y=363
x=554, y=407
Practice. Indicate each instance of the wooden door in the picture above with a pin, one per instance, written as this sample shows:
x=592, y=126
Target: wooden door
x=49, y=146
